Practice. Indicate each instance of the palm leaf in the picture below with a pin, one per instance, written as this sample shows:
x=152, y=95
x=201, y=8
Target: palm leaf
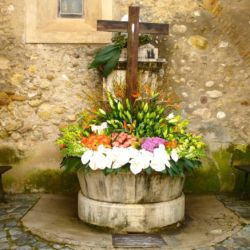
x=104, y=55
x=111, y=64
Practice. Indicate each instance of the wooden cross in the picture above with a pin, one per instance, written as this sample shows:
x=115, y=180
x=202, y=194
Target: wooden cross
x=133, y=27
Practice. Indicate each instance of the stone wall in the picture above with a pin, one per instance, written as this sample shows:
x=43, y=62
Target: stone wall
x=42, y=86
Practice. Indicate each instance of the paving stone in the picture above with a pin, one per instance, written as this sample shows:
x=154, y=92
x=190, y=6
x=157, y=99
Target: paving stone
x=228, y=242
x=25, y=248
x=18, y=205
x=220, y=248
x=41, y=245
x=242, y=242
x=22, y=240
x=2, y=234
x=46, y=248
x=247, y=228
x=6, y=217
x=13, y=247
x=56, y=246
x=11, y=224
x=15, y=231
x=205, y=248
x=4, y=246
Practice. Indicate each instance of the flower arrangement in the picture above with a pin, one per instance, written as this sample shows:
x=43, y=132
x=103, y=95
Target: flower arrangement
x=137, y=137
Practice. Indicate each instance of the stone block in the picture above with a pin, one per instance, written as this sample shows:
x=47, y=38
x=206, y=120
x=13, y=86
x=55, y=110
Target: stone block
x=4, y=63
x=198, y=42
x=17, y=79
x=131, y=217
x=19, y=98
x=4, y=99
x=45, y=111
x=7, y=88
x=214, y=94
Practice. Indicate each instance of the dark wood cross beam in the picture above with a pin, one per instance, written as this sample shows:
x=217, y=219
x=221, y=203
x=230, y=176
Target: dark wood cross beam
x=133, y=27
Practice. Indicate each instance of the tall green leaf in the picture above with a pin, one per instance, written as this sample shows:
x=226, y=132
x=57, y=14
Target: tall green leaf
x=107, y=58
x=111, y=64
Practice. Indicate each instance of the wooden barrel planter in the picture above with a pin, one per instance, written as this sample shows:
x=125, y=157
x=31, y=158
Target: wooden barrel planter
x=126, y=202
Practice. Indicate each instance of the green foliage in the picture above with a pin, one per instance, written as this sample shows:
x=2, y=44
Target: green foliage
x=147, y=118
x=106, y=59
x=122, y=39
x=69, y=141
x=190, y=146
x=71, y=164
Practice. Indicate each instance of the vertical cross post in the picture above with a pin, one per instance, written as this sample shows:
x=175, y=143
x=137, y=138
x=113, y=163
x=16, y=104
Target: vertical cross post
x=133, y=27
x=132, y=53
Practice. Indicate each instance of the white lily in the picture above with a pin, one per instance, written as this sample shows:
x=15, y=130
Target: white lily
x=93, y=164
x=104, y=125
x=87, y=155
x=160, y=159
x=99, y=129
x=101, y=149
x=174, y=155
x=94, y=128
x=108, y=160
x=121, y=157
x=157, y=165
x=161, y=153
x=170, y=116
x=99, y=160
x=133, y=152
x=140, y=160
x=136, y=166
x=145, y=158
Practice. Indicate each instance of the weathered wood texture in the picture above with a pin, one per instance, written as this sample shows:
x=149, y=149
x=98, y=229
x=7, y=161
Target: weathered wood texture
x=120, y=26
x=133, y=45
x=136, y=189
x=4, y=169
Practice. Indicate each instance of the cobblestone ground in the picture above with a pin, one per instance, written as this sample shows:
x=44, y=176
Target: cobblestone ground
x=14, y=236
x=241, y=239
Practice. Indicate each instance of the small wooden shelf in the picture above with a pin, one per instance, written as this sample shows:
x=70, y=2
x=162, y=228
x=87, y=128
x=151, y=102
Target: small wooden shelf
x=159, y=60
x=143, y=64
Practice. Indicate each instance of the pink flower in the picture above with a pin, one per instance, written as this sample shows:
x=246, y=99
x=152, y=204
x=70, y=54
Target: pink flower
x=150, y=144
